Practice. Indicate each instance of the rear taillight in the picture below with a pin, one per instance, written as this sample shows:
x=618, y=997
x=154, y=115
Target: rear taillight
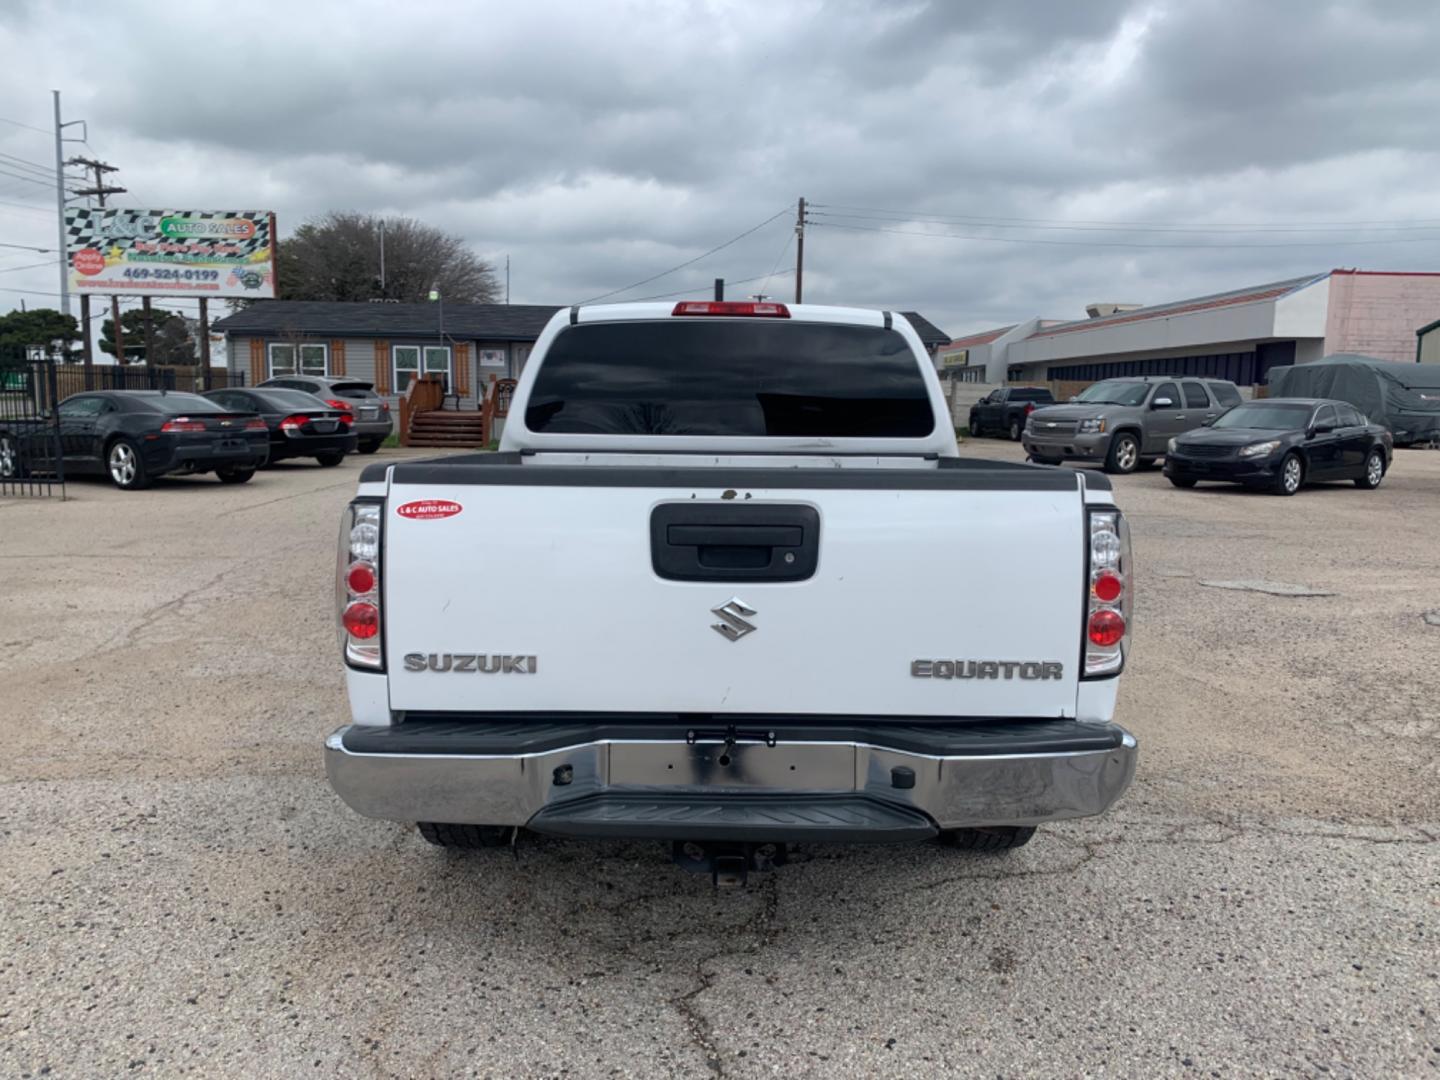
x=732, y=307
x=1109, y=586
x=336, y=403
x=357, y=585
x=291, y=425
x=343, y=422
x=1029, y=407
x=255, y=425
x=385, y=406
x=183, y=423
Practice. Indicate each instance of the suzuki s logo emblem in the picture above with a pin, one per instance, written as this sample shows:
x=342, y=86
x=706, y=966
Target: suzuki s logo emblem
x=733, y=615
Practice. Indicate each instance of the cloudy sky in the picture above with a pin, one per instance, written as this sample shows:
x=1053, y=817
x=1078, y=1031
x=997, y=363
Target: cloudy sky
x=977, y=161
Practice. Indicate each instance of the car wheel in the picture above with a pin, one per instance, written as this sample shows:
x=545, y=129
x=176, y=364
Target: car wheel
x=1124, y=454
x=330, y=459
x=1015, y=429
x=975, y=431
x=369, y=446
x=9, y=458
x=234, y=475
x=1182, y=481
x=125, y=466
x=1374, y=471
x=1291, y=475
x=465, y=837
x=998, y=839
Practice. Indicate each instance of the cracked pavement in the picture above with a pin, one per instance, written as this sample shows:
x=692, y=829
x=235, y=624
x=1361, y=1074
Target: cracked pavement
x=183, y=895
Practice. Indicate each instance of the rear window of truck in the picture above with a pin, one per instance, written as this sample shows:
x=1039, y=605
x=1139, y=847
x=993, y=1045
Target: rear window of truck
x=711, y=377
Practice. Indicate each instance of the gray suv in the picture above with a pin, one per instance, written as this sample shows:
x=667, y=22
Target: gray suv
x=1124, y=423
x=372, y=421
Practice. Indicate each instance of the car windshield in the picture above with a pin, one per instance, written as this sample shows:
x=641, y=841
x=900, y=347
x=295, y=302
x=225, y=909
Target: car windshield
x=291, y=399
x=1266, y=416
x=1114, y=392
x=175, y=404
x=756, y=377
x=354, y=389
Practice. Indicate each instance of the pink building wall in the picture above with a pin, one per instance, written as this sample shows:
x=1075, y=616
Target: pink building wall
x=1377, y=312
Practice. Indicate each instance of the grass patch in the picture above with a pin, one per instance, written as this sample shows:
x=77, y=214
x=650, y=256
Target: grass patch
x=391, y=441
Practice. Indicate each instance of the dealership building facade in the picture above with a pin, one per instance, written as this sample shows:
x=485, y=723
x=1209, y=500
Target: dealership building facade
x=1237, y=335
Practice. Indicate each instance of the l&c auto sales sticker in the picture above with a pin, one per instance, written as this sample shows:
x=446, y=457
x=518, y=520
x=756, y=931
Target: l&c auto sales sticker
x=428, y=509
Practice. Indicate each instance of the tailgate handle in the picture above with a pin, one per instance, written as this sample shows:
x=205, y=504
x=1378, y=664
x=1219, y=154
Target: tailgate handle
x=735, y=535
x=715, y=542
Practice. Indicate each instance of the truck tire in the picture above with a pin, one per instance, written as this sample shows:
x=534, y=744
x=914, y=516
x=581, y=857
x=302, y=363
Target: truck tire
x=1016, y=427
x=975, y=429
x=1124, y=453
x=465, y=837
x=1000, y=838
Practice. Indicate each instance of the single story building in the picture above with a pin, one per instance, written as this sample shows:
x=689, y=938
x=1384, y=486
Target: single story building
x=386, y=344
x=1237, y=335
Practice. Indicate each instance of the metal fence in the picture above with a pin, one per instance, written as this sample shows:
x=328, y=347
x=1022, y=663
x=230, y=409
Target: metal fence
x=31, y=461
x=76, y=379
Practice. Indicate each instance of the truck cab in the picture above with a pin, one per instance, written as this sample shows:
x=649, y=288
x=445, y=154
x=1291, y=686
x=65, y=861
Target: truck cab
x=705, y=593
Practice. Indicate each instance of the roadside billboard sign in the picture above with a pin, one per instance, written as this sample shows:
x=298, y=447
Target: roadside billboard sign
x=171, y=252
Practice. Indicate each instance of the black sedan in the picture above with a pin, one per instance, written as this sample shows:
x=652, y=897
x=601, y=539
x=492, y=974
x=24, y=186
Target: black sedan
x=300, y=424
x=1282, y=444
x=134, y=436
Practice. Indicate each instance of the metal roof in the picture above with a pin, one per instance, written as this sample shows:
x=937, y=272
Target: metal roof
x=495, y=322
x=985, y=337
x=1253, y=294
x=930, y=334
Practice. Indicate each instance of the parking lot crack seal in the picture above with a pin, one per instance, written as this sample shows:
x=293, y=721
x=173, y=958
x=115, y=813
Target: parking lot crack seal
x=1270, y=588
x=761, y=928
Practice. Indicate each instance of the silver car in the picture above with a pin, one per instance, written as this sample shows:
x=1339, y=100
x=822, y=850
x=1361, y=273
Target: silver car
x=372, y=423
x=1124, y=423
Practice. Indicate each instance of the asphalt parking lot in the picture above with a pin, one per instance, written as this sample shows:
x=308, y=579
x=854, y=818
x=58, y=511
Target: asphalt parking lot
x=182, y=894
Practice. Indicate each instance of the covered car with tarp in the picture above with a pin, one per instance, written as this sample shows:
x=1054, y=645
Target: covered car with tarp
x=1403, y=397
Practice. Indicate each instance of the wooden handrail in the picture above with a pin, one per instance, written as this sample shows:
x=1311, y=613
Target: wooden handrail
x=422, y=395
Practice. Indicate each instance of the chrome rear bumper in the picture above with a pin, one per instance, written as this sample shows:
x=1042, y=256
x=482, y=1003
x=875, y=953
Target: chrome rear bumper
x=951, y=790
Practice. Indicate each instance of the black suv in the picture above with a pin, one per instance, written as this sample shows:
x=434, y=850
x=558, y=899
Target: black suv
x=1006, y=410
x=372, y=422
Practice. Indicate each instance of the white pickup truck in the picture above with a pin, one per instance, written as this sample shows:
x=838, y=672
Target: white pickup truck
x=728, y=584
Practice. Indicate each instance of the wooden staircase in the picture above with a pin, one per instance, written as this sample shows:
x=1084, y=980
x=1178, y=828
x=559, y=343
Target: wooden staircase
x=437, y=428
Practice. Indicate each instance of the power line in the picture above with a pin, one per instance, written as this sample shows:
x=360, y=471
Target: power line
x=996, y=223
x=706, y=288
x=27, y=176
x=1121, y=243
x=689, y=262
x=14, y=162
x=27, y=266
x=27, y=247
x=908, y=215
x=28, y=127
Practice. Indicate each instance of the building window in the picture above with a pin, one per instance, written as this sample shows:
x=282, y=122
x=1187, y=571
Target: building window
x=408, y=359
x=299, y=359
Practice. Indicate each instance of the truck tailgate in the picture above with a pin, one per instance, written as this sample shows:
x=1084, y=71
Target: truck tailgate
x=979, y=576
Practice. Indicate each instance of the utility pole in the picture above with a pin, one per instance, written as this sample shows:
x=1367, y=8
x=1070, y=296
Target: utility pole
x=719, y=288
x=799, y=249
x=60, y=202
x=382, y=257
x=99, y=189
x=507, y=279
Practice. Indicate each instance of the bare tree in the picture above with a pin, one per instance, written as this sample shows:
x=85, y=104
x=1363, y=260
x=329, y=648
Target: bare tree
x=337, y=257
